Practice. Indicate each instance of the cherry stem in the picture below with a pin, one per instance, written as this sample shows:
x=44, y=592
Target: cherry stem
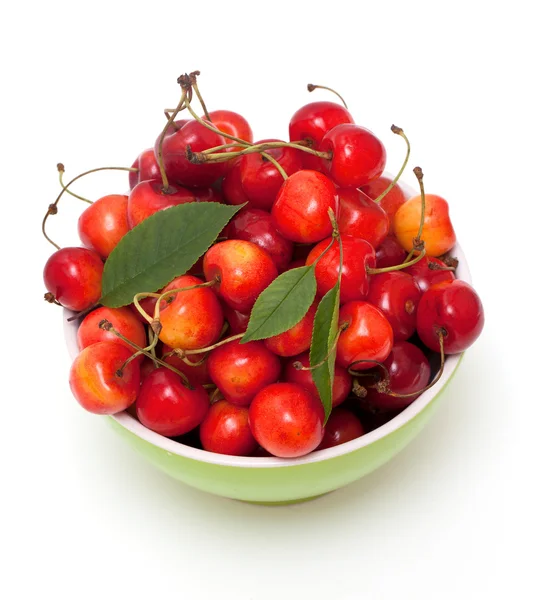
x=82, y=313
x=159, y=157
x=107, y=326
x=167, y=112
x=61, y=171
x=211, y=156
x=435, y=267
x=311, y=87
x=53, y=208
x=299, y=366
x=355, y=373
x=372, y=271
x=136, y=302
x=183, y=353
x=418, y=244
x=51, y=299
x=153, y=340
x=214, y=395
x=359, y=390
x=399, y=131
x=193, y=83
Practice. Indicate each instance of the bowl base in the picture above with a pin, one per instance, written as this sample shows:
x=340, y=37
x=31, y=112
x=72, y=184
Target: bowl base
x=284, y=502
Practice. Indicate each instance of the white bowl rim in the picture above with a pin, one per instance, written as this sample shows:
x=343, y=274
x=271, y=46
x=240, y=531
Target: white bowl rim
x=176, y=448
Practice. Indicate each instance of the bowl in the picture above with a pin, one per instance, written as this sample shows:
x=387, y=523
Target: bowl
x=276, y=480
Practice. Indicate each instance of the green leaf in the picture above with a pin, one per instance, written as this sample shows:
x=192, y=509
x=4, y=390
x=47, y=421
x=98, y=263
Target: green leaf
x=325, y=328
x=282, y=304
x=160, y=248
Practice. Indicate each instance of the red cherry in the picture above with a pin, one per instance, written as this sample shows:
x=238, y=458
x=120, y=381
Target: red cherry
x=148, y=197
x=238, y=322
x=342, y=426
x=232, y=185
x=261, y=180
x=74, y=277
x=286, y=420
x=311, y=122
x=397, y=295
x=242, y=270
x=104, y=223
x=425, y=277
x=300, y=210
x=258, y=226
x=342, y=383
x=357, y=155
x=368, y=335
x=148, y=168
x=390, y=253
x=391, y=202
x=241, y=370
x=226, y=430
x=361, y=217
x=409, y=371
x=454, y=308
x=208, y=194
x=94, y=380
x=358, y=255
x=297, y=339
x=197, y=375
x=167, y=406
x=178, y=168
x=233, y=124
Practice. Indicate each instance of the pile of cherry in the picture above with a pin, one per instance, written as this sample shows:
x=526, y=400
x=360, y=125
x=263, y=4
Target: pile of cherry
x=176, y=357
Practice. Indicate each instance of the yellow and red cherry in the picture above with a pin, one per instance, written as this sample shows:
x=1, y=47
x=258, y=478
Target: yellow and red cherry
x=361, y=217
x=300, y=210
x=148, y=197
x=342, y=426
x=96, y=383
x=102, y=225
x=391, y=202
x=295, y=340
x=232, y=123
x=429, y=271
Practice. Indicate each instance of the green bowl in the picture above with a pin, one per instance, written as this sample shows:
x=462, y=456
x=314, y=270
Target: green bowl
x=276, y=480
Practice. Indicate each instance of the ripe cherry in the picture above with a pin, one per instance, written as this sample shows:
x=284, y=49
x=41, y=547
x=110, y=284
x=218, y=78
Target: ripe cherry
x=74, y=276
x=190, y=319
x=358, y=255
x=297, y=339
x=397, y=295
x=361, y=217
x=242, y=370
x=242, y=271
x=437, y=234
x=409, y=371
x=104, y=223
x=342, y=382
x=148, y=197
x=258, y=226
x=425, y=277
x=286, y=420
x=147, y=166
x=390, y=253
x=238, y=322
x=391, y=202
x=368, y=335
x=454, y=309
x=209, y=194
x=197, y=375
x=233, y=124
x=311, y=122
x=342, y=426
x=226, y=430
x=232, y=185
x=261, y=180
x=357, y=155
x=168, y=406
x=95, y=382
x=301, y=208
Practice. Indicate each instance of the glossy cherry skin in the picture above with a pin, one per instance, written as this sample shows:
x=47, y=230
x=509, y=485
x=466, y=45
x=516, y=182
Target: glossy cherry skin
x=197, y=375
x=397, y=295
x=297, y=339
x=301, y=208
x=94, y=381
x=193, y=319
x=357, y=155
x=178, y=168
x=361, y=217
x=104, y=223
x=243, y=270
x=232, y=123
x=242, y=370
x=261, y=181
x=208, y=194
x=232, y=185
x=74, y=277
x=342, y=426
x=425, y=277
x=123, y=320
x=368, y=335
x=167, y=406
x=454, y=308
x=390, y=253
x=148, y=197
x=238, y=321
x=391, y=202
x=357, y=256
x=148, y=168
x=258, y=226
x=286, y=420
x=342, y=383
x=409, y=371
x=438, y=234
x=311, y=123
x=226, y=430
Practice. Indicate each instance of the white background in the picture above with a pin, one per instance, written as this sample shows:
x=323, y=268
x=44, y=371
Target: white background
x=452, y=516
